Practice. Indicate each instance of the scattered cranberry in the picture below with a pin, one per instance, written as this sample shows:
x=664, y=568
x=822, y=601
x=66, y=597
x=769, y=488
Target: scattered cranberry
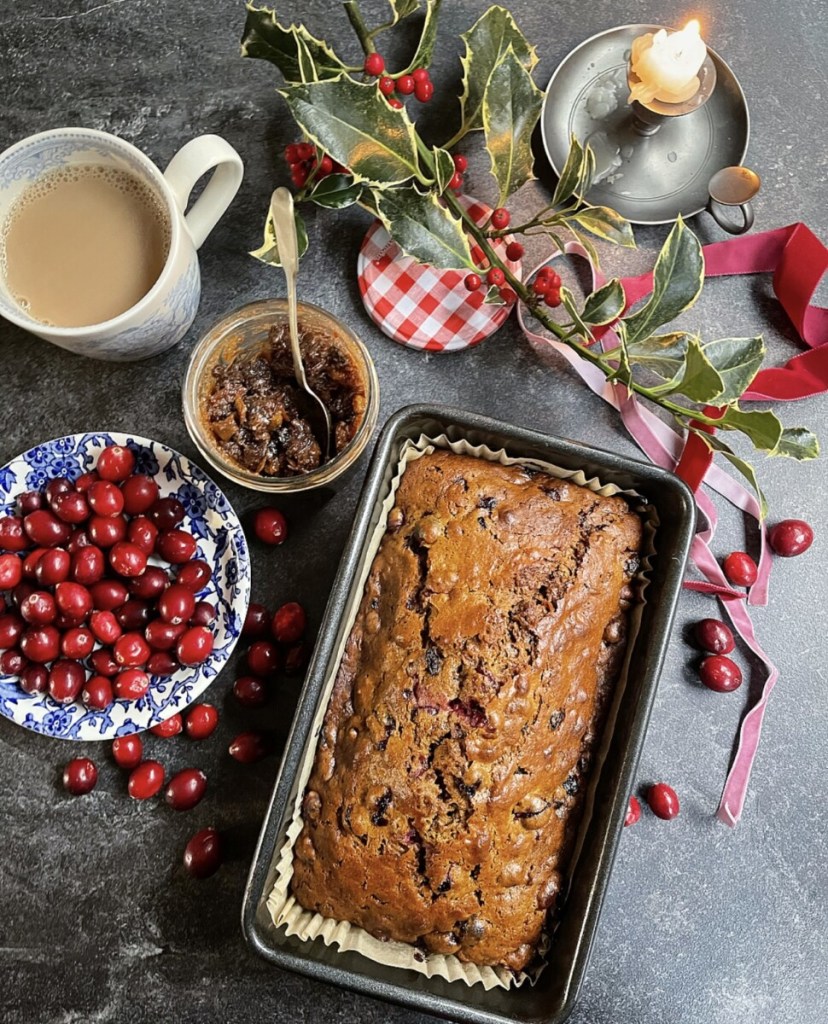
x=145, y=780
x=150, y=584
x=166, y=513
x=108, y=595
x=97, y=693
x=77, y=643
x=514, y=252
x=35, y=678
x=500, y=218
x=473, y=282
x=45, y=529
x=201, y=721
x=13, y=536
x=127, y=559
x=720, y=674
x=80, y=776
x=66, y=679
x=250, y=691
x=406, y=85
x=11, y=629
x=203, y=853
x=176, y=546
x=71, y=507
x=143, y=533
x=12, y=662
x=289, y=623
x=295, y=659
x=740, y=569
x=171, y=726
x=257, y=621
x=195, y=575
x=263, y=658
x=140, y=494
x=11, y=571
x=162, y=663
x=127, y=751
x=176, y=604
x=374, y=64
x=105, y=499
x=88, y=565
x=790, y=537
x=107, y=530
x=663, y=801
x=270, y=526
x=633, y=812
x=185, y=789
x=131, y=650
x=248, y=747
x=194, y=646
x=714, y=636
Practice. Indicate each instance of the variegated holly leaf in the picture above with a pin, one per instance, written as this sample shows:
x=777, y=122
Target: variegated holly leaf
x=428, y=37
x=698, y=380
x=268, y=252
x=424, y=229
x=604, y=305
x=353, y=123
x=761, y=426
x=511, y=108
x=745, y=468
x=493, y=297
x=663, y=354
x=798, y=443
x=288, y=47
x=571, y=306
x=737, y=361
x=443, y=168
x=402, y=8
x=336, y=192
x=605, y=223
x=571, y=174
x=677, y=283
x=487, y=41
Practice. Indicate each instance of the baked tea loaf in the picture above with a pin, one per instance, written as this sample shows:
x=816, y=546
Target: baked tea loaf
x=446, y=787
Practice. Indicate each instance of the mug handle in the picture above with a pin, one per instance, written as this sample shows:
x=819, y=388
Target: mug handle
x=194, y=159
x=728, y=225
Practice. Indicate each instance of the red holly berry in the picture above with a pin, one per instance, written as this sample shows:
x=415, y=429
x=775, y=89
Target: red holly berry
x=456, y=181
x=633, y=812
x=740, y=569
x=421, y=75
x=508, y=296
x=663, y=801
x=292, y=154
x=514, y=251
x=540, y=285
x=395, y=103
x=500, y=218
x=496, y=277
x=460, y=163
x=406, y=84
x=306, y=151
x=553, y=298
x=374, y=64
x=325, y=167
x=424, y=90
x=299, y=175
x=472, y=282
x=386, y=85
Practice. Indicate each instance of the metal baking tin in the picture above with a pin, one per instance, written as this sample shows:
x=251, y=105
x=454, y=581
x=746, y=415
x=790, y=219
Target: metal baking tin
x=552, y=998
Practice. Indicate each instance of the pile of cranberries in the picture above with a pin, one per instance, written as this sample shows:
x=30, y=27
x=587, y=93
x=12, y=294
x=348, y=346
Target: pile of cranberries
x=90, y=611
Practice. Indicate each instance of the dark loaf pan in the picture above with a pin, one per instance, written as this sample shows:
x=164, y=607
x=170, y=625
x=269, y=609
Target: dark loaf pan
x=552, y=998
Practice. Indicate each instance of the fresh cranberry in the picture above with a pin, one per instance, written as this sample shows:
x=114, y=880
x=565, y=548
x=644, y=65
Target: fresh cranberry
x=195, y=575
x=115, y=462
x=663, y=801
x=105, y=499
x=791, y=537
x=29, y=563
x=714, y=636
x=66, y=679
x=145, y=780
x=203, y=853
x=500, y=218
x=143, y=534
x=103, y=663
x=12, y=662
x=88, y=565
x=194, y=646
x=257, y=621
x=295, y=659
x=72, y=507
x=740, y=569
x=387, y=85
x=374, y=64
x=250, y=691
x=473, y=282
x=131, y=650
x=131, y=684
x=127, y=559
x=39, y=608
x=176, y=546
x=74, y=600
x=201, y=721
x=78, y=541
x=20, y=593
x=127, y=751
x=263, y=658
x=248, y=747
x=140, y=494
x=204, y=614
x=80, y=776
x=105, y=627
x=12, y=627
x=289, y=623
x=52, y=567
x=45, y=529
x=11, y=571
x=108, y=595
x=41, y=644
x=97, y=693
x=152, y=582
x=163, y=636
x=633, y=812
x=77, y=643
x=720, y=674
x=134, y=614
x=406, y=85
x=55, y=487
x=185, y=789
x=424, y=90
x=107, y=530
x=514, y=252
x=13, y=535
x=176, y=604
x=171, y=726
x=166, y=513
x=162, y=663
x=85, y=481
x=29, y=501
x=35, y=679
x=270, y=525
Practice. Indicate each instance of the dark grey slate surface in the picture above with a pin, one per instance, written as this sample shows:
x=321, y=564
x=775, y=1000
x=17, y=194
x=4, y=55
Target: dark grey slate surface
x=702, y=924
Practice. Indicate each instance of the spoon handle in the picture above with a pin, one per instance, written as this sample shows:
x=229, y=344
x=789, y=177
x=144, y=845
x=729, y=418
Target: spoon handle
x=284, y=227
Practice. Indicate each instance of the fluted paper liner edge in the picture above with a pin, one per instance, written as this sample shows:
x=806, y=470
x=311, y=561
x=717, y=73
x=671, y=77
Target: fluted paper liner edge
x=284, y=910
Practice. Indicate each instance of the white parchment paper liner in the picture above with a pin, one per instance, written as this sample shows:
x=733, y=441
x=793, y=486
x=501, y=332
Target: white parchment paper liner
x=284, y=909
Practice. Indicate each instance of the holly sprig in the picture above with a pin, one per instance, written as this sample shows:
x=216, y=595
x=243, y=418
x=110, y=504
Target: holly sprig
x=362, y=146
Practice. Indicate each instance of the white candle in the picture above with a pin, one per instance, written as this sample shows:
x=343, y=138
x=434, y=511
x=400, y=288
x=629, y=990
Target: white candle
x=667, y=65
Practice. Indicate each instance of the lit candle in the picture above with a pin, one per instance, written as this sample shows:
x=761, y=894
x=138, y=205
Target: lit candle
x=667, y=65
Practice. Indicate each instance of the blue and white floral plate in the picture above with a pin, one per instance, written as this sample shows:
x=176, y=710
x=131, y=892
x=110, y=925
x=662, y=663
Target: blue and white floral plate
x=221, y=543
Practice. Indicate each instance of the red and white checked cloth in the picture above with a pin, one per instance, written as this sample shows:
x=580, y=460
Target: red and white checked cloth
x=421, y=307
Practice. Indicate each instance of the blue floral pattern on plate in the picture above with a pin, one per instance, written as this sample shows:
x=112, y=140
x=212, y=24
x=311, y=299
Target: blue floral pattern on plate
x=221, y=543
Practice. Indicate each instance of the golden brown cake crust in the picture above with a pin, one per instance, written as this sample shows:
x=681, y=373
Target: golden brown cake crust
x=440, y=810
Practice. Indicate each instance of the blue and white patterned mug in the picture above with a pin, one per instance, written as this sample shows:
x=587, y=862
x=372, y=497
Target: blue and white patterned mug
x=164, y=315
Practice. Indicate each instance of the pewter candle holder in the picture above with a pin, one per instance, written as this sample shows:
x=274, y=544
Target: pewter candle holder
x=647, y=118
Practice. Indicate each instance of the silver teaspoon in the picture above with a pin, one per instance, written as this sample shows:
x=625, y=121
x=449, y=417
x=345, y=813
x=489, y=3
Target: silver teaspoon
x=284, y=227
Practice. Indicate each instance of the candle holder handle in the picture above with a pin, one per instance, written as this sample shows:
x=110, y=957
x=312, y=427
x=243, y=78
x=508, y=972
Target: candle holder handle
x=733, y=187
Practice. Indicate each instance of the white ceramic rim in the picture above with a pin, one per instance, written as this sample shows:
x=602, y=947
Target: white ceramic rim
x=29, y=323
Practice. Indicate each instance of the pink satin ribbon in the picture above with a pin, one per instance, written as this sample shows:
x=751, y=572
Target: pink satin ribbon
x=798, y=260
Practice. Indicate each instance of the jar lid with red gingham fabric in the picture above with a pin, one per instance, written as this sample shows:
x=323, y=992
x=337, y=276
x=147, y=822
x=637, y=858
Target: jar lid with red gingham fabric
x=420, y=306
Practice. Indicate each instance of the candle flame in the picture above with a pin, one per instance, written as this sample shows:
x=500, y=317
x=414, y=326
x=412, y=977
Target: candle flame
x=692, y=27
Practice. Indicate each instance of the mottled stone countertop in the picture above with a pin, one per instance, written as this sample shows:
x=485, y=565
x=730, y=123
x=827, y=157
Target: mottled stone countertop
x=702, y=925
